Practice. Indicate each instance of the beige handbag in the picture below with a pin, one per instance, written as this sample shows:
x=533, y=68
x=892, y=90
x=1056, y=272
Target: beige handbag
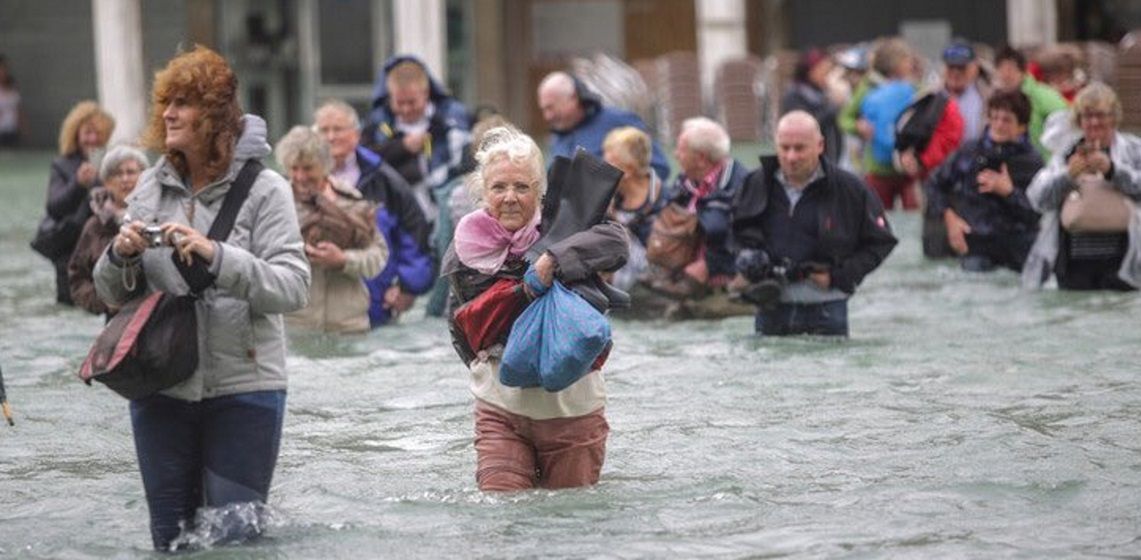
x=675, y=238
x=1096, y=207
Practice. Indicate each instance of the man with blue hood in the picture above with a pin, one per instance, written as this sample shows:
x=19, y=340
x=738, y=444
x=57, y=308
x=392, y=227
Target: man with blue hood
x=576, y=117
x=417, y=128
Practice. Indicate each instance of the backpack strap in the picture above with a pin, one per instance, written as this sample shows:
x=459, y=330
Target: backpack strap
x=235, y=198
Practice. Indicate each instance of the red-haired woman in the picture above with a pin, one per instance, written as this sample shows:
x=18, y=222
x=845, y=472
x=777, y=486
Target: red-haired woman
x=212, y=440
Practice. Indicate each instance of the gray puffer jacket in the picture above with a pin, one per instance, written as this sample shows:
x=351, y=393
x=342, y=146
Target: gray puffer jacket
x=261, y=271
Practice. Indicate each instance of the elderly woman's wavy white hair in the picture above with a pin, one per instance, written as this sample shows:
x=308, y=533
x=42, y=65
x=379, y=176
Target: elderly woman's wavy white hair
x=506, y=142
x=302, y=145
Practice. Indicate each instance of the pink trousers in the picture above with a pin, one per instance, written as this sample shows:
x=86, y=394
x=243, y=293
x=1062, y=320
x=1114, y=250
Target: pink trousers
x=516, y=453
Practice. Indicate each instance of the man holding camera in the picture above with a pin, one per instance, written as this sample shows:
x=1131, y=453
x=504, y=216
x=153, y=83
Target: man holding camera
x=980, y=192
x=808, y=233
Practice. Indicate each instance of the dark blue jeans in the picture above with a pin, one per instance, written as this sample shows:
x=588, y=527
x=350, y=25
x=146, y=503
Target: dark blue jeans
x=209, y=453
x=829, y=318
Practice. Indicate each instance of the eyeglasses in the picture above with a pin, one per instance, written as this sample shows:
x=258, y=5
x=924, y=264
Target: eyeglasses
x=335, y=130
x=129, y=172
x=1095, y=115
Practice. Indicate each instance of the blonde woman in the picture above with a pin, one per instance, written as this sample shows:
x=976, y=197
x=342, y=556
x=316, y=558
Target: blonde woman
x=84, y=132
x=629, y=149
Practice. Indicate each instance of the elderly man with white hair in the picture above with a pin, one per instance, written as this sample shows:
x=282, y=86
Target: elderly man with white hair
x=808, y=234
x=705, y=185
x=576, y=117
x=409, y=271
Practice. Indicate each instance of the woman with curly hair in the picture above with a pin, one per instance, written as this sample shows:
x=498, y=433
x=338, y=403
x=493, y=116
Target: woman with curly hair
x=212, y=440
x=84, y=132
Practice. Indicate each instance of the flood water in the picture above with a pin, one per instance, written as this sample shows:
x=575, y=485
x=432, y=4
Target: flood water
x=963, y=418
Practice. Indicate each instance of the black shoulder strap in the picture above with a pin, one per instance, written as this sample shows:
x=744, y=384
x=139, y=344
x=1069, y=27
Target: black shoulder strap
x=235, y=197
x=197, y=273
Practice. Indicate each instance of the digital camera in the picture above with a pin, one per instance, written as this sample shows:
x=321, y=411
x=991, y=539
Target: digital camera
x=153, y=236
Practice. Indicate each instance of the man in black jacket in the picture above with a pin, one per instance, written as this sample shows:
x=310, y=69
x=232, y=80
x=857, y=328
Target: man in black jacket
x=808, y=232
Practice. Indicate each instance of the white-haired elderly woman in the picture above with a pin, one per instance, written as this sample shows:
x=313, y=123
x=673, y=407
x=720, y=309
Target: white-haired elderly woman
x=526, y=437
x=1088, y=260
x=118, y=173
x=343, y=245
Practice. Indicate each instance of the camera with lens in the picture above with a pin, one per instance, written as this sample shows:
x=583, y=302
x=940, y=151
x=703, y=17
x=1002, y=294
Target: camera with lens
x=768, y=278
x=153, y=236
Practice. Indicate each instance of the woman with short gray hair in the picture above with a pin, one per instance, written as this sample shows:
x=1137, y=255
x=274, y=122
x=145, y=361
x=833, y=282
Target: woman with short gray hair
x=341, y=240
x=118, y=173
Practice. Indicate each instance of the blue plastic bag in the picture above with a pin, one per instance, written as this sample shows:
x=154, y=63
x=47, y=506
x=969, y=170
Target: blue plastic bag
x=555, y=341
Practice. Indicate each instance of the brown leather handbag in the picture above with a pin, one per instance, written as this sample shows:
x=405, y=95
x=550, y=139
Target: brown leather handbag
x=1096, y=207
x=675, y=238
x=326, y=221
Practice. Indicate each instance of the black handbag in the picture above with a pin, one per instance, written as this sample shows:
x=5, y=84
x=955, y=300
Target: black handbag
x=151, y=344
x=56, y=239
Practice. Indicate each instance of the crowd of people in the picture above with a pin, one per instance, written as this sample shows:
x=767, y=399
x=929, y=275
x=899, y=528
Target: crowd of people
x=418, y=199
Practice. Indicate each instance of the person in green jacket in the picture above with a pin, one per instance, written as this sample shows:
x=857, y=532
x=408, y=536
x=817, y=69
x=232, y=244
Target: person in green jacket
x=1011, y=74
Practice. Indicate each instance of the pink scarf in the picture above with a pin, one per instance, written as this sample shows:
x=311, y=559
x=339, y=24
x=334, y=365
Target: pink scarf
x=483, y=243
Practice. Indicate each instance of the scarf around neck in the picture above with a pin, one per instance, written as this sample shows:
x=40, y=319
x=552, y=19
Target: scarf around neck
x=483, y=244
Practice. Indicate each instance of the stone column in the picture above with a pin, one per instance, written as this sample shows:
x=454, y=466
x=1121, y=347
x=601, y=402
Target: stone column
x=420, y=29
x=721, y=35
x=119, y=65
x=1031, y=22
x=308, y=58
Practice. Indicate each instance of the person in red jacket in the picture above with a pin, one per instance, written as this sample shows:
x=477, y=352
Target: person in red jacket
x=944, y=140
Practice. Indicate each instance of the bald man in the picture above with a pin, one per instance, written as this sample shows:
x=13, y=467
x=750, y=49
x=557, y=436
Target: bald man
x=576, y=117
x=807, y=233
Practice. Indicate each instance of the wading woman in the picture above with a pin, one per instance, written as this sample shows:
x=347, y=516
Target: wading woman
x=74, y=173
x=211, y=440
x=526, y=437
x=119, y=173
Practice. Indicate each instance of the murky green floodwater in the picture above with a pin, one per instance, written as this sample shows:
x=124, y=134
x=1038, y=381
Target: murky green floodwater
x=964, y=418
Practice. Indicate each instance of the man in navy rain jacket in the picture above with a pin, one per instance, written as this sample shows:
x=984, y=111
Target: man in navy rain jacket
x=576, y=117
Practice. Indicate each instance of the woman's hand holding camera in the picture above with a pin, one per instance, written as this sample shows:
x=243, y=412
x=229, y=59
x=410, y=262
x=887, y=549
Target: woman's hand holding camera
x=135, y=237
x=1088, y=159
x=188, y=241
x=129, y=242
x=1099, y=162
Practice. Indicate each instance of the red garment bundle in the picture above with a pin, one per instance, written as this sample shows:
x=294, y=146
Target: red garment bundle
x=486, y=319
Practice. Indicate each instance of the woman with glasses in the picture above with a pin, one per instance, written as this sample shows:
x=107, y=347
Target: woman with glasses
x=119, y=173
x=1090, y=254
